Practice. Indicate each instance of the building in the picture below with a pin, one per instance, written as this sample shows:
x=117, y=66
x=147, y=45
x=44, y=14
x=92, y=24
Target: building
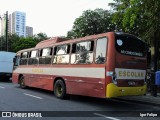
x=29, y=31
x=3, y=26
x=17, y=23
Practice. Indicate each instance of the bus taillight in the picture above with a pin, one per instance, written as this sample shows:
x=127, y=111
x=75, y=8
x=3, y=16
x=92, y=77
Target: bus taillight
x=114, y=76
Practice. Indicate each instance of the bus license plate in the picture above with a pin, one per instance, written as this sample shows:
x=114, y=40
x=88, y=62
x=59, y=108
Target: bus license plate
x=131, y=83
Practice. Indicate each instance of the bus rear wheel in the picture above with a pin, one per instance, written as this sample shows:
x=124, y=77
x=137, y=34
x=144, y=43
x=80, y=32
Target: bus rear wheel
x=22, y=82
x=60, y=89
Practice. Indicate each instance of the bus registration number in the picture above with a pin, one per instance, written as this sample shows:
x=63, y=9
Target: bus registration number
x=131, y=83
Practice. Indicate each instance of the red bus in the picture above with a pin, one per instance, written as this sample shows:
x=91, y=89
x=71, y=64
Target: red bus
x=105, y=65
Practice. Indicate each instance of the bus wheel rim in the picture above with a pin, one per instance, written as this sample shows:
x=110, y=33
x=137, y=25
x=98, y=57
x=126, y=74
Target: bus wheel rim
x=59, y=90
x=22, y=82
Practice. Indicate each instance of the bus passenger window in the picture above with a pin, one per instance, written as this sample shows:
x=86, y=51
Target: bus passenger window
x=23, y=60
x=83, y=53
x=61, y=55
x=33, y=58
x=101, y=51
x=73, y=48
x=45, y=56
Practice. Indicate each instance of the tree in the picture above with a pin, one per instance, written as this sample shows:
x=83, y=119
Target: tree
x=139, y=17
x=2, y=43
x=16, y=43
x=40, y=37
x=12, y=38
x=142, y=18
x=23, y=43
x=91, y=22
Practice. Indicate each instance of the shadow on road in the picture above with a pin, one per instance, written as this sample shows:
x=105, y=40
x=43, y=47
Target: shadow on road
x=101, y=103
x=5, y=81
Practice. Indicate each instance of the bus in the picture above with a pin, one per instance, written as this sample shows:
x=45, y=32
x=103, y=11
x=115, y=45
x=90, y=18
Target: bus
x=6, y=65
x=105, y=65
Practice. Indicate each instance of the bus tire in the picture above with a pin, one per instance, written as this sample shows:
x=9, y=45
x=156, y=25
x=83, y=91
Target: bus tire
x=60, y=89
x=22, y=82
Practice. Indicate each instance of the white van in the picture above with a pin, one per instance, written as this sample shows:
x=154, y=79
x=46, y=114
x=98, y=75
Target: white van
x=6, y=65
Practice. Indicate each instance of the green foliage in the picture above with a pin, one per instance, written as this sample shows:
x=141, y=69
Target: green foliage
x=91, y=22
x=23, y=43
x=40, y=37
x=16, y=43
x=139, y=17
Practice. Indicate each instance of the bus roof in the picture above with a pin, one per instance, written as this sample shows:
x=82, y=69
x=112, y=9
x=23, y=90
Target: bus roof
x=49, y=42
x=58, y=40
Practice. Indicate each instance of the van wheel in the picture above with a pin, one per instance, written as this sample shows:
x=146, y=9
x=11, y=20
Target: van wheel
x=22, y=82
x=60, y=89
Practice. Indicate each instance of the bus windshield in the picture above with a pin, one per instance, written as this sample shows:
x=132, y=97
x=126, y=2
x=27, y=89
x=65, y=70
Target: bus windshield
x=130, y=45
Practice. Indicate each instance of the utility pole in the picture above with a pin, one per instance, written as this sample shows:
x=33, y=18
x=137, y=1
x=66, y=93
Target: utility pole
x=6, y=30
x=155, y=65
x=155, y=59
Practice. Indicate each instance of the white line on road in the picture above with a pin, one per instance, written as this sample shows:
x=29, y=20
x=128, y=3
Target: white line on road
x=2, y=87
x=33, y=96
x=101, y=115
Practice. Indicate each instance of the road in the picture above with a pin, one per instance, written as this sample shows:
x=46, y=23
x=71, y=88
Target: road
x=45, y=104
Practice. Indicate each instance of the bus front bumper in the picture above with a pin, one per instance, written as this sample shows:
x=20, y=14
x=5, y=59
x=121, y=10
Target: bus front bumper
x=115, y=91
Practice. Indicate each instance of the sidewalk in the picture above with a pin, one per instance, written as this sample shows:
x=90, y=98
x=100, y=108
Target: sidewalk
x=147, y=99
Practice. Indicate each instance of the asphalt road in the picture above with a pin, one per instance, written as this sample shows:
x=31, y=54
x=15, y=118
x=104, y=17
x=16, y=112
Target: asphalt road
x=28, y=101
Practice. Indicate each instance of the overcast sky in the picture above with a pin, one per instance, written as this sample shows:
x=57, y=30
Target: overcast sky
x=53, y=17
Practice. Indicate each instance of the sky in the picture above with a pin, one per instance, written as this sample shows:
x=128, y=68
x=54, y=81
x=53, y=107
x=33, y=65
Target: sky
x=53, y=17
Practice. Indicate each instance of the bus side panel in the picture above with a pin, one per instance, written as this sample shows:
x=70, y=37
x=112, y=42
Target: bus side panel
x=94, y=87
x=110, y=64
x=15, y=77
x=39, y=81
x=42, y=81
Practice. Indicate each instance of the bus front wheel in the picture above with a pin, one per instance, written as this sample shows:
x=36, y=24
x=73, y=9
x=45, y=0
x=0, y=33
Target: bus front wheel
x=60, y=89
x=22, y=82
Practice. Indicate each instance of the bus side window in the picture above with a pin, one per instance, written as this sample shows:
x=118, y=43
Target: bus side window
x=45, y=56
x=101, y=51
x=73, y=48
x=33, y=59
x=55, y=50
x=92, y=46
x=24, y=58
x=82, y=52
x=68, y=49
x=61, y=54
x=51, y=51
x=40, y=52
